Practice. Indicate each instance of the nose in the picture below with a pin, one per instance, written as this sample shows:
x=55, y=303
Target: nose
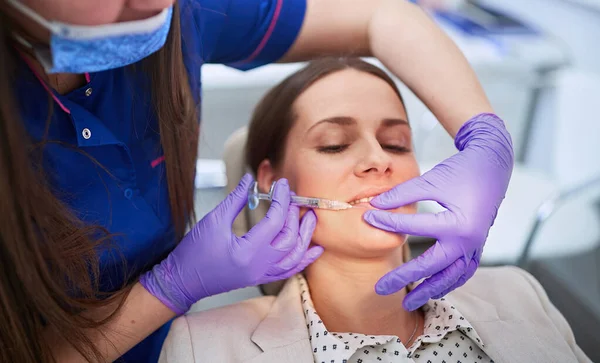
x=149, y=5
x=374, y=160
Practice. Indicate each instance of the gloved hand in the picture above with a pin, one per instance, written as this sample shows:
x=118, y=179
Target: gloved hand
x=470, y=185
x=211, y=259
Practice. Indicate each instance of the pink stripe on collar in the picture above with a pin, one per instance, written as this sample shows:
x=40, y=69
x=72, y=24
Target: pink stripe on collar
x=63, y=107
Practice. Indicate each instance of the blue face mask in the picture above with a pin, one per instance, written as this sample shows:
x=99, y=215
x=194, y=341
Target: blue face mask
x=82, y=49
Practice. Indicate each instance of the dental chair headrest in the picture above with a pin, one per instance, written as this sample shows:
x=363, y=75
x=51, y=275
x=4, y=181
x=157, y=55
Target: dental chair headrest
x=235, y=168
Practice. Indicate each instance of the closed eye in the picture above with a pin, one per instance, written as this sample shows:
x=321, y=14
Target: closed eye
x=332, y=149
x=396, y=149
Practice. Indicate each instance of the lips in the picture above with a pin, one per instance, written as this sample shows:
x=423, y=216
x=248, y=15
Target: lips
x=367, y=195
x=361, y=200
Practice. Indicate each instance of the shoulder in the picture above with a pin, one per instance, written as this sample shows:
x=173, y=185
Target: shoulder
x=247, y=313
x=500, y=283
x=486, y=275
x=213, y=332
x=511, y=290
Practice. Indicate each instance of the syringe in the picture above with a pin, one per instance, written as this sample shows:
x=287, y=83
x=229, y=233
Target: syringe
x=254, y=198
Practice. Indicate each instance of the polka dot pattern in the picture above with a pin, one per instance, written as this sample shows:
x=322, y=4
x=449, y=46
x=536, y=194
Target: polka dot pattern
x=447, y=338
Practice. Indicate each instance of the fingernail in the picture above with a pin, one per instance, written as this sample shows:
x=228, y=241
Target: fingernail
x=316, y=252
x=371, y=218
x=310, y=214
x=382, y=288
x=247, y=178
x=307, y=225
x=409, y=307
x=368, y=216
x=411, y=304
x=378, y=201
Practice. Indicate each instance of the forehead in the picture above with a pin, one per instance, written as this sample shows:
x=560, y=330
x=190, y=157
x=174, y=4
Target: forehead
x=349, y=93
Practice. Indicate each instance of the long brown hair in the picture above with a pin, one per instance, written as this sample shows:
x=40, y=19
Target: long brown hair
x=49, y=267
x=274, y=116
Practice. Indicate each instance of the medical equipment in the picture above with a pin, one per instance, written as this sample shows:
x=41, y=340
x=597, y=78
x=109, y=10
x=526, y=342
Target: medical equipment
x=254, y=198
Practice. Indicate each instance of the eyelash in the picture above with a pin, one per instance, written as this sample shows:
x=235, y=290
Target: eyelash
x=332, y=149
x=336, y=149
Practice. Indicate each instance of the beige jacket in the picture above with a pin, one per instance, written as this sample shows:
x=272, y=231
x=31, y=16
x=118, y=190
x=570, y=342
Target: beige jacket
x=507, y=307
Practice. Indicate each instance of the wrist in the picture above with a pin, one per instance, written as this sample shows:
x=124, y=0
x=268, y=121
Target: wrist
x=484, y=129
x=160, y=285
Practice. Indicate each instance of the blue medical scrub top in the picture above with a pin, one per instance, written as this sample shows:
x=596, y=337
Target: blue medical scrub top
x=110, y=119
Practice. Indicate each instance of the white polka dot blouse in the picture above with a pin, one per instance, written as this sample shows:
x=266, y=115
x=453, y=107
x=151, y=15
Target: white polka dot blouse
x=447, y=338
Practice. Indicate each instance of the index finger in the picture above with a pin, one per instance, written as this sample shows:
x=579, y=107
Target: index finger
x=432, y=261
x=411, y=191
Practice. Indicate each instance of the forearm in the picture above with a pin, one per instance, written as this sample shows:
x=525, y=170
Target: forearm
x=140, y=315
x=414, y=48
x=407, y=41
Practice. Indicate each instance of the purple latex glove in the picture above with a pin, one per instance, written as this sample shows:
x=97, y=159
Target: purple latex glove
x=211, y=259
x=470, y=185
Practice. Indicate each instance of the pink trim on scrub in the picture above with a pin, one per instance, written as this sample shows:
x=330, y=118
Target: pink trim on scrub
x=157, y=161
x=268, y=34
x=63, y=107
x=154, y=162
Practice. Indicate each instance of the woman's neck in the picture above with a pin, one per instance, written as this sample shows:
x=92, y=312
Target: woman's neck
x=34, y=34
x=343, y=292
x=63, y=83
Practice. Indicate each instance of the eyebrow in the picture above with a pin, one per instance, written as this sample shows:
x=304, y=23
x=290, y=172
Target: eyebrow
x=388, y=122
x=348, y=121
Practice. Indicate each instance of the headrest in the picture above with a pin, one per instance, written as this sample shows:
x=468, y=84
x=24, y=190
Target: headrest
x=235, y=168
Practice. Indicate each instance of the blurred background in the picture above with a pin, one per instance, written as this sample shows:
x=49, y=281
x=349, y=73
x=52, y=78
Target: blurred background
x=539, y=62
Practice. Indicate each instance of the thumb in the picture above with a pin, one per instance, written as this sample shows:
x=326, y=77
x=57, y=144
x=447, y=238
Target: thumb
x=411, y=191
x=229, y=208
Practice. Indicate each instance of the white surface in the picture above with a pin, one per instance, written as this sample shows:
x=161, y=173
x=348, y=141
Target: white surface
x=567, y=129
x=573, y=228
x=577, y=130
x=218, y=76
x=210, y=173
x=593, y=4
x=574, y=26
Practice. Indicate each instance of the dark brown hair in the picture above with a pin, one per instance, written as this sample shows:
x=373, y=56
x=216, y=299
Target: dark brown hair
x=48, y=258
x=274, y=116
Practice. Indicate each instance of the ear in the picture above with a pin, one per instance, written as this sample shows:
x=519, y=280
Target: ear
x=265, y=176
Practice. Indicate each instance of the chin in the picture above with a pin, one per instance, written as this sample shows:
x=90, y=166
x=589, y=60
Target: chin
x=373, y=242
x=346, y=232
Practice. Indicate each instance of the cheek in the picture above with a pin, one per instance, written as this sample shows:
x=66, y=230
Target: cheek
x=313, y=175
x=405, y=168
x=347, y=233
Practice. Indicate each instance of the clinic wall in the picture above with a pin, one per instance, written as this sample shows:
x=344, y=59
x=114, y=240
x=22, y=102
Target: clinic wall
x=576, y=26
x=562, y=142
